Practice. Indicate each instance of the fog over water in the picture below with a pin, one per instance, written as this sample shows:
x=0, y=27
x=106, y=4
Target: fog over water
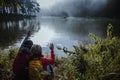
x=71, y=7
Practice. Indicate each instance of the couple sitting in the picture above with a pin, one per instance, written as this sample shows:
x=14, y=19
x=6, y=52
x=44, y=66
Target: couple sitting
x=30, y=64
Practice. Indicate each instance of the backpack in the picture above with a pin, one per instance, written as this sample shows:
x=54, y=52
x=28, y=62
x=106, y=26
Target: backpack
x=50, y=70
x=36, y=71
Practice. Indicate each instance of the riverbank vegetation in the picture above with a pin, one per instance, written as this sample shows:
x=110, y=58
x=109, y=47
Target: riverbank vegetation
x=98, y=60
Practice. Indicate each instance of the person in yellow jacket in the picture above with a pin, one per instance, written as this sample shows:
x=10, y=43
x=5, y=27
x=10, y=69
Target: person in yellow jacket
x=38, y=63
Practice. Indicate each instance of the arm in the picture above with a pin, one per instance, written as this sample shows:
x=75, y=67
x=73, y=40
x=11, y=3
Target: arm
x=26, y=38
x=50, y=60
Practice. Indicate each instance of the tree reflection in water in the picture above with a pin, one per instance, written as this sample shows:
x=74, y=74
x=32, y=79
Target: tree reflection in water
x=13, y=31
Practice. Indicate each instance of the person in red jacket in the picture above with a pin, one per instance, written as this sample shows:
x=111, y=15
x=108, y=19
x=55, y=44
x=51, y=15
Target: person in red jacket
x=37, y=59
x=20, y=65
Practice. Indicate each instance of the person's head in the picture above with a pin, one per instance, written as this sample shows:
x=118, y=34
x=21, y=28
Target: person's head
x=28, y=43
x=36, y=51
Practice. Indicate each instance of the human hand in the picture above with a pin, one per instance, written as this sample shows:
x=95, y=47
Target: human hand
x=51, y=47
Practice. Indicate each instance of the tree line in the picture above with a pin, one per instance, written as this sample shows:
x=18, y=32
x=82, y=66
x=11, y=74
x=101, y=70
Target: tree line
x=22, y=7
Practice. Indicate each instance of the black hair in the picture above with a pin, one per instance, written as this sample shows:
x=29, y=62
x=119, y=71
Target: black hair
x=28, y=43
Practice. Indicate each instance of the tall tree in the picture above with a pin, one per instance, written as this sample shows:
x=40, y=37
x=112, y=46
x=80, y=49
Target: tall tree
x=19, y=6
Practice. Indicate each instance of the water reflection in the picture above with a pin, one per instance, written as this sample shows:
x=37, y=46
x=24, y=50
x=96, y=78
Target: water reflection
x=43, y=36
x=13, y=31
x=67, y=32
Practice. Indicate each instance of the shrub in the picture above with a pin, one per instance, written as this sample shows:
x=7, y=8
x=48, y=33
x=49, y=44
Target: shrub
x=6, y=61
x=99, y=60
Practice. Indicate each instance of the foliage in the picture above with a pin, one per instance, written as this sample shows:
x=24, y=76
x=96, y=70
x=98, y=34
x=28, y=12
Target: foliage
x=41, y=73
x=24, y=7
x=64, y=69
x=99, y=60
x=6, y=61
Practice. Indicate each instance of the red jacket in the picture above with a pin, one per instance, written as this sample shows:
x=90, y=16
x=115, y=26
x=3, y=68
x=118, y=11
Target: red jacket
x=48, y=61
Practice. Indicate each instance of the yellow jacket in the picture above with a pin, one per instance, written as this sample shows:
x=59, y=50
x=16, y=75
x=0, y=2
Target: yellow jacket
x=35, y=67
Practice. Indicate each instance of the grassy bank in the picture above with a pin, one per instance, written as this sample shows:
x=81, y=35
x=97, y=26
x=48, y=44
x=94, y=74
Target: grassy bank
x=99, y=60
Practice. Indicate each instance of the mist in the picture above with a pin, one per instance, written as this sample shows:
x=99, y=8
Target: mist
x=75, y=8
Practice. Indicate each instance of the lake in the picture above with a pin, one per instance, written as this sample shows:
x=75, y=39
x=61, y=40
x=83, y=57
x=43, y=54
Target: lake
x=60, y=31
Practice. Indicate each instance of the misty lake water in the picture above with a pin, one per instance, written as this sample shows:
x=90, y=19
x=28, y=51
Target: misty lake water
x=60, y=31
